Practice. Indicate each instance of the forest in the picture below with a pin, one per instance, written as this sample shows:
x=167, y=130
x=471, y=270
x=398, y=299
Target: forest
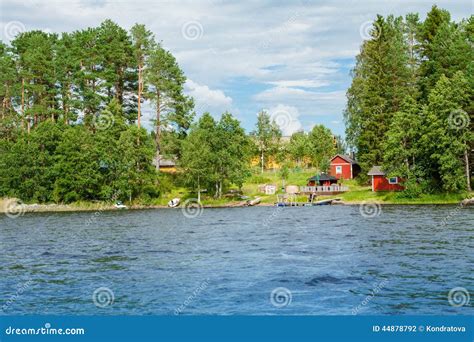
x=72, y=105
x=410, y=106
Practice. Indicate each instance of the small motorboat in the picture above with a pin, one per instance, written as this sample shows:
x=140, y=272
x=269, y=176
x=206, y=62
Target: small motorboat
x=253, y=202
x=120, y=205
x=323, y=202
x=174, y=203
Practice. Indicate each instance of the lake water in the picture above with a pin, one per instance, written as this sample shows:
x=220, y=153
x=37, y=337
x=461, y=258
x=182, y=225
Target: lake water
x=315, y=260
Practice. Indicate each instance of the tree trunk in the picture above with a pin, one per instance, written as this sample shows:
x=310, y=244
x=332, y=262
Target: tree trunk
x=23, y=103
x=261, y=159
x=140, y=88
x=158, y=129
x=466, y=161
x=199, y=191
x=65, y=105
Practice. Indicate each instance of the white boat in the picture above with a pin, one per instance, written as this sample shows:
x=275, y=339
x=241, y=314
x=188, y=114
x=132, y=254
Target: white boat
x=174, y=203
x=253, y=202
x=120, y=205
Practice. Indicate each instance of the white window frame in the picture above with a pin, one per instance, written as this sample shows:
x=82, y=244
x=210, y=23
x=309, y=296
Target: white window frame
x=393, y=182
x=339, y=170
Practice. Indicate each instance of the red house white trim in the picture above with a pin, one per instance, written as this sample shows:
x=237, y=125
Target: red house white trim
x=343, y=167
x=381, y=183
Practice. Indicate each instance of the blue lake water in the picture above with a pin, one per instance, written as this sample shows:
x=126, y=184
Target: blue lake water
x=316, y=260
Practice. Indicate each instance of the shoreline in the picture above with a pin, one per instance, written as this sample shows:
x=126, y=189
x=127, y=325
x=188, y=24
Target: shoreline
x=57, y=208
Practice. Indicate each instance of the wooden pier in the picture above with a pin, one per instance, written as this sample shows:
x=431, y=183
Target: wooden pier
x=324, y=190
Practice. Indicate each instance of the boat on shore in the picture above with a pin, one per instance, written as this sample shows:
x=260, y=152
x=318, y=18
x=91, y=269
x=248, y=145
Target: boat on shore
x=120, y=205
x=174, y=203
x=253, y=202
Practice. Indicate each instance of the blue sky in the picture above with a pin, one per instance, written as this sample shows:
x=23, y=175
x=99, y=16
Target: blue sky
x=292, y=58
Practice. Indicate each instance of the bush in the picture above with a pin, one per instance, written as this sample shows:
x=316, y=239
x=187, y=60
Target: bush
x=413, y=189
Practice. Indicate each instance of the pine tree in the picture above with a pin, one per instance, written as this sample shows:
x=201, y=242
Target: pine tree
x=381, y=80
x=143, y=42
x=165, y=82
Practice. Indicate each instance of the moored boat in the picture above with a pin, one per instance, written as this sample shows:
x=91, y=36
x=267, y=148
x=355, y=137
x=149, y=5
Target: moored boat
x=174, y=203
x=120, y=205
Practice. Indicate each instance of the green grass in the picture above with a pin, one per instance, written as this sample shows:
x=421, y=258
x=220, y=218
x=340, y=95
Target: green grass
x=357, y=193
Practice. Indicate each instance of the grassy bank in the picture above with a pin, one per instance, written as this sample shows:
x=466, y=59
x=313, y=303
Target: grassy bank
x=357, y=194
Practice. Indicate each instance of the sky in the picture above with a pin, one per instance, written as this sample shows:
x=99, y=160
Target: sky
x=291, y=58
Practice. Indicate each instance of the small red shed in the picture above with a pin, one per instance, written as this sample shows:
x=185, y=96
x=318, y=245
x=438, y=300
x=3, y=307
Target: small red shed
x=382, y=183
x=344, y=167
x=322, y=180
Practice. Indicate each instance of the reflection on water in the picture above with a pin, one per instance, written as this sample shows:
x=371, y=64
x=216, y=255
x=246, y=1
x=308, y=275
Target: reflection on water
x=330, y=259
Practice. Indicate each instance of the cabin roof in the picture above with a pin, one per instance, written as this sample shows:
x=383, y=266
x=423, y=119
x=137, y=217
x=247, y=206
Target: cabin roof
x=323, y=177
x=346, y=158
x=376, y=171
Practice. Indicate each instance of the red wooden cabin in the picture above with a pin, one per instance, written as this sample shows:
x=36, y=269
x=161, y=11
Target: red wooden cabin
x=382, y=183
x=344, y=167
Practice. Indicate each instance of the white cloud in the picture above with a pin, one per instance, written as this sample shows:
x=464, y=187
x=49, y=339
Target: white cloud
x=208, y=100
x=300, y=83
x=286, y=117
